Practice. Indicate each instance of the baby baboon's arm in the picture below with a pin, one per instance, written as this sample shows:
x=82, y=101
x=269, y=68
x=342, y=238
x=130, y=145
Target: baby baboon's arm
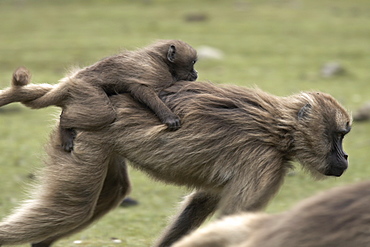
x=149, y=97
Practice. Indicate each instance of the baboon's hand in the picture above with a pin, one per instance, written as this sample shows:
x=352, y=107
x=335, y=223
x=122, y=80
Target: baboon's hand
x=173, y=122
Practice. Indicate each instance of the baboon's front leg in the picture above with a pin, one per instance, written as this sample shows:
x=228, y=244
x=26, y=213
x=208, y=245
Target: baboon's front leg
x=42, y=244
x=251, y=191
x=196, y=208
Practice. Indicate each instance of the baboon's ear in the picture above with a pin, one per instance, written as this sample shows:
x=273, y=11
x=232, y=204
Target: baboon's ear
x=303, y=112
x=171, y=53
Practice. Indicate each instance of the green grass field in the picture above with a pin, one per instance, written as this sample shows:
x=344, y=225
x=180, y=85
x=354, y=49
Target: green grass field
x=279, y=46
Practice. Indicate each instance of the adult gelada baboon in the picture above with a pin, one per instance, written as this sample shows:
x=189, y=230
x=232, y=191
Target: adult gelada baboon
x=234, y=149
x=142, y=73
x=339, y=217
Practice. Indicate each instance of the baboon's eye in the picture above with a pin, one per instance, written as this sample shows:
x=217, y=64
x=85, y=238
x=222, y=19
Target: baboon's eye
x=348, y=127
x=342, y=133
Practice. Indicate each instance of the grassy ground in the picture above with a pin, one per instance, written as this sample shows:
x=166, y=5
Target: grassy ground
x=279, y=46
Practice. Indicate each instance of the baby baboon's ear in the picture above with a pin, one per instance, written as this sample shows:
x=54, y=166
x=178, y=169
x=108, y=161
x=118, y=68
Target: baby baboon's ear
x=304, y=111
x=171, y=53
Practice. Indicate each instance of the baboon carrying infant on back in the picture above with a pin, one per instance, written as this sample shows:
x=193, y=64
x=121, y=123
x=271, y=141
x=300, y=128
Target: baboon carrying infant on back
x=234, y=148
x=142, y=73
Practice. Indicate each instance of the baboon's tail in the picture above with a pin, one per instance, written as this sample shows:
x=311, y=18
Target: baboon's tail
x=21, y=90
x=21, y=77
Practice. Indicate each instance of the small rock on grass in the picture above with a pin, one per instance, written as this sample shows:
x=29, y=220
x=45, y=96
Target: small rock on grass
x=363, y=113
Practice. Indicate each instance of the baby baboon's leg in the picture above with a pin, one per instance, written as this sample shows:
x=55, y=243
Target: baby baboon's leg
x=196, y=208
x=89, y=109
x=58, y=203
x=66, y=138
x=115, y=189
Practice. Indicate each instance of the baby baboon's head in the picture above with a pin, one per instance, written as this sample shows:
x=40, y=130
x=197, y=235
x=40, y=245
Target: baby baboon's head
x=180, y=58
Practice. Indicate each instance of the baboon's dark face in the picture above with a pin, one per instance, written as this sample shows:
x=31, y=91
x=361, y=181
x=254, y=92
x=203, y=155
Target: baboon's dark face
x=182, y=59
x=323, y=123
x=187, y=71
x=337, y=158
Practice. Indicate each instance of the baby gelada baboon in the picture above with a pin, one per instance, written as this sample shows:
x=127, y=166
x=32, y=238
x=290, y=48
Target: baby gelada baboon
x=234, y=149
x=143, y=74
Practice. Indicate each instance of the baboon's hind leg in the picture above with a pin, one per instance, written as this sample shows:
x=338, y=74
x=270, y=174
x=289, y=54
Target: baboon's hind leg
x=69, y=189
x=115, y=189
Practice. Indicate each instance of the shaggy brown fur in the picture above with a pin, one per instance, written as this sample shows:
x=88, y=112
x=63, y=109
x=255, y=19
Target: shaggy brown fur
x=234, y=149
x=338, y=217
x=142, y=73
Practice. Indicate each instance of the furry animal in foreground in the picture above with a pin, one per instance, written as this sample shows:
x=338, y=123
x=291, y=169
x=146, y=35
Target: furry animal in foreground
x=338, y=217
